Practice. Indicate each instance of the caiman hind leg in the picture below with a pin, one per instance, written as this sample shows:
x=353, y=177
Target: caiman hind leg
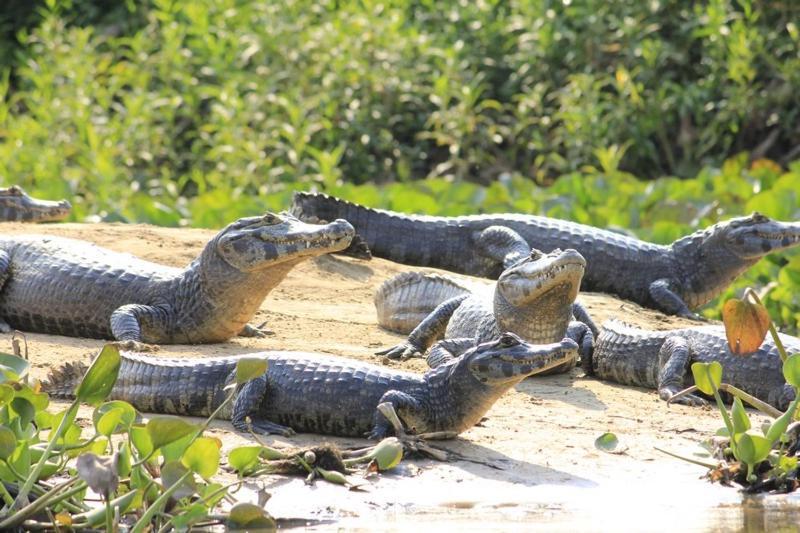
x=447, y=350
x=427, y=332
x=668, y=301
x=503, y=245
x=128, y=321
x=582, y=315
x=401, y=402
x=5, y=262
x=674, y=359
x=245, y=406
x=582, y=334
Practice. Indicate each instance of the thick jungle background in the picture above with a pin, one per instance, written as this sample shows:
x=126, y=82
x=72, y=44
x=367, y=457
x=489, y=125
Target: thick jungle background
x=656, y=118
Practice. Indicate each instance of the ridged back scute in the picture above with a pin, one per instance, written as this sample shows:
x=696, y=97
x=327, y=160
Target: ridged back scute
x=62, y=381
x=403, y=301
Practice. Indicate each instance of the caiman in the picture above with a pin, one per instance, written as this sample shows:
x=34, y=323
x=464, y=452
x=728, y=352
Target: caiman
x=661, y=360
x=69, y=287
x=17, y=206
x=313, y=393
x=675, y=278
x=535, y=299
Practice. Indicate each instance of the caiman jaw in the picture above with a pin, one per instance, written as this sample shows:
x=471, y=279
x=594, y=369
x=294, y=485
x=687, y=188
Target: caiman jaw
x=500, y=363
x=757, y=236
x=23, y=207
x=532, y=278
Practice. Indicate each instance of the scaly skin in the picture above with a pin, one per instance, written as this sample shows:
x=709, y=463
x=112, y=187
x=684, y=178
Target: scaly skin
x=533, y=299
x=68, y=287
x=325, y=394
x=16, y=206
x=675, y=279
x=662, y=360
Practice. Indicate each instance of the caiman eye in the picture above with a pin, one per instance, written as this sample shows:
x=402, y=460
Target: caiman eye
x=14, y=190
x=536, y=254
x=758, y=217
x=271, y=219
x=507, y=341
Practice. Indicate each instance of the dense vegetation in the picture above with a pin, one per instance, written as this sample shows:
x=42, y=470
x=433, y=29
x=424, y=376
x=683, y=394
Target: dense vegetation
x=198, y=112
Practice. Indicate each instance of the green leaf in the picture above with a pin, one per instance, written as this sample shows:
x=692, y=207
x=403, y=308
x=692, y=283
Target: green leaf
x=13, y=368
x=707, y=376
x=24, y=410
x=165, y=429
x=124, y=460
x=114, y=416
x=8, y=442
x=746, y=325
x=171, y=474
x=141, y=440
x=244, y=458
x=202, y=456
x=248, y=368
x=39, y=400
x=778, y=427
x=175, y=450
x=101, y=376
x=607, y=442
x=189, y=515
x=741, y=422
x=791, y=370
x=249, y=516
x=6, y=394
x=751, y=447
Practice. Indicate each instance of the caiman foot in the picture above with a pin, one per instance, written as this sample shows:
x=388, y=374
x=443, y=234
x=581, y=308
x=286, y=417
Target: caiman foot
x=691, y=400
x=136, y=346
x=402, y=351
x=262, y=427
x=256, y=331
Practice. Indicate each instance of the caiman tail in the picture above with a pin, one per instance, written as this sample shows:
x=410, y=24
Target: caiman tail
x=159, y=385
x=389, y=235
x=403, y=301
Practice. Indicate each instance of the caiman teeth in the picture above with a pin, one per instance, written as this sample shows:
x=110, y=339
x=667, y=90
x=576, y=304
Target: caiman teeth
x=780, y=236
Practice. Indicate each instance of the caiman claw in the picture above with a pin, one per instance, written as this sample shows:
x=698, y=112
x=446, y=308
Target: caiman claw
x=402, y=351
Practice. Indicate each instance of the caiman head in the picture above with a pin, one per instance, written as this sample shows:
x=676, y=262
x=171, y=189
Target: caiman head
x=16, y=205
x=255, y=243
x=509, y=359
x=712, y=258
x=534, y=297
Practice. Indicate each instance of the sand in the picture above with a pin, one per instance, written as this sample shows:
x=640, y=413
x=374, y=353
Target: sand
x=531, y=463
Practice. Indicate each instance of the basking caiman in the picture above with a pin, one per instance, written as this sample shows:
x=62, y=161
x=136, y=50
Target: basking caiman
x=533, y=299
x=69, y=287
x=662, y=359
x=675, y=279
x=325, y=394
x=16, y=206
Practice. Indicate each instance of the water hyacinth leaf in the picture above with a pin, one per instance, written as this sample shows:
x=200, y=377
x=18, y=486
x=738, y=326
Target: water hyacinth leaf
x=24, y=410
x=751, y=447
x=141, y=440
x=249, y=516
x=244, y=458
x=746, y=325
x=741, y=422
x=171, y=473
x=99, y=472
x=202, y=456
x=13, y=368
x=6, y=394
x=791, y=370
x=124, y=460
x=101, y=376
x=189, y=515
x=388, y=453
x=607, y=442
x=175, y=450
x=107, y=423
x=8, y=442
x=165, y=429
x=249, y=368
x=39, y=400
x=707, y=376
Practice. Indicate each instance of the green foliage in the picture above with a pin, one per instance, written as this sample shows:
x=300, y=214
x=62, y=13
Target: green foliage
x=121, y=472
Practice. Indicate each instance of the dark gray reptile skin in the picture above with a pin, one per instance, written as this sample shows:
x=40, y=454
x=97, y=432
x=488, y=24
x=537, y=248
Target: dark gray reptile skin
x=533, y=299
x=16, y=206
x=675, y=279
x=325, y=394
x=662, y=360
x=68, y=287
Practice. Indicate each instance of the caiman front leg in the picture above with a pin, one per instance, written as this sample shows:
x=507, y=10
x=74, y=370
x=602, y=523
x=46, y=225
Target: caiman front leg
x=674, y=359
x=427, y=332
x=400, y=401
x=582, y=334
x=5, y=261
x=127, y=322
x=255, y=331
x=447, y=350
x=503, y=245
x=668, y=301
x=582, y=315
x=246, y=406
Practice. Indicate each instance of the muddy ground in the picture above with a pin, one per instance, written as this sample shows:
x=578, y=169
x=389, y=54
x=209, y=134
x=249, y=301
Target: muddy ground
x=530, y=464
